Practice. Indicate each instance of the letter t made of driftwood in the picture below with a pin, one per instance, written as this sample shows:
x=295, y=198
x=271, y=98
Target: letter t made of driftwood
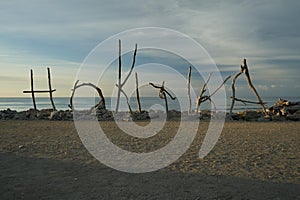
x=162, y=94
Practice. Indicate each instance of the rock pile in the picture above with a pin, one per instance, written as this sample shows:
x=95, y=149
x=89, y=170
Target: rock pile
x=31, y=114
x=140, y=116
x=282, y=110
x=62, y=115
x=7, y=114
x=102, y=113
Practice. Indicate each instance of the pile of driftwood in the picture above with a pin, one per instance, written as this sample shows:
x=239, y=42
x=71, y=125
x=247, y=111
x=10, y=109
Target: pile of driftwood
x=284, y=110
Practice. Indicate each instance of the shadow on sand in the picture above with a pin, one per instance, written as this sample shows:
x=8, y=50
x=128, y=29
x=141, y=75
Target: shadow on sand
x=36, y=178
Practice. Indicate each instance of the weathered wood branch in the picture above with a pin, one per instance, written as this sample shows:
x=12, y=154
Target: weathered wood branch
x=218, y=88
x=247, y=101
x=132, y=66
x=40, y=91
x=72, y=95
x=166, y=91
x=189, y=90
x=202, y=91
x=211, y=101
x=137, y=93
x=252, y=86
x=32, y=90
x=119, y=78
x=155, y=86
x=202, y=98
x=127, y=100
x=233, y=89
x=50, y=89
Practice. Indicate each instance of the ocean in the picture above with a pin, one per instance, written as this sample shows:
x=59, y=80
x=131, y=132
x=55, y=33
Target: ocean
x=155, y=103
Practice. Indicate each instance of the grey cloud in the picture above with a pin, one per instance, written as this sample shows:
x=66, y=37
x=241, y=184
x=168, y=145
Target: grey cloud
x=267, y=33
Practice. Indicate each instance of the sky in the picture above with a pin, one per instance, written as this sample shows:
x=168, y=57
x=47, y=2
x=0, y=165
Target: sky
x=37, y=34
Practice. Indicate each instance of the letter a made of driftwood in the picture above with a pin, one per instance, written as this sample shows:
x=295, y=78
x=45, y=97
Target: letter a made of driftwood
x=162, y=94
x=100, y=104
x=120, y=83
x=244, y=69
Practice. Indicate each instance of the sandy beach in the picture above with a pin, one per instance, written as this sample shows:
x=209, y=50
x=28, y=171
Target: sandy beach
x=251, y=160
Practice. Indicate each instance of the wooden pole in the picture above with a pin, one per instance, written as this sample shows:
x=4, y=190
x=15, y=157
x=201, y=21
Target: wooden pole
x=189, y=91
x=50, y=90
x=137, y=93
x=119, y=79
x=32, y=90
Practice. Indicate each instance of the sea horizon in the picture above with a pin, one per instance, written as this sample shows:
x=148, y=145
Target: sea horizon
x=147, y=103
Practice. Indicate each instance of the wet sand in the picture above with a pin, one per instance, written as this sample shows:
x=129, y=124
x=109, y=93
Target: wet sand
x=251, y=160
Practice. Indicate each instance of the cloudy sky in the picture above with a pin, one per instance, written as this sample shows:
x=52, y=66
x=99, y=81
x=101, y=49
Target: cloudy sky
x=60, y=34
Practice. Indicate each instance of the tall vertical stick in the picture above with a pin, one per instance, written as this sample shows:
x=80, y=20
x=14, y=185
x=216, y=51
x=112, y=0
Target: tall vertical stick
x=119, y=79
x=189, y=91
x=50, y=89
x=32, y=91
x=137, y=92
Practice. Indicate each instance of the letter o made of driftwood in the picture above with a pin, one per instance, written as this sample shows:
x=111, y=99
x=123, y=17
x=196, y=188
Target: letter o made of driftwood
x=102, y=100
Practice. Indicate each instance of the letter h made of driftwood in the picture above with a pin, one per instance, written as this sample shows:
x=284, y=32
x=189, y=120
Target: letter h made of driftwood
x=32, y=91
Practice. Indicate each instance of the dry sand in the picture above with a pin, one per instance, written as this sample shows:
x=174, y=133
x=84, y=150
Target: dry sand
x=252, y=160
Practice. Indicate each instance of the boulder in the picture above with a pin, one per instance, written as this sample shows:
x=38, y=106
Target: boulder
x=174, y=114
x=43, y=114
x=140, y=116
x=205, y=114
